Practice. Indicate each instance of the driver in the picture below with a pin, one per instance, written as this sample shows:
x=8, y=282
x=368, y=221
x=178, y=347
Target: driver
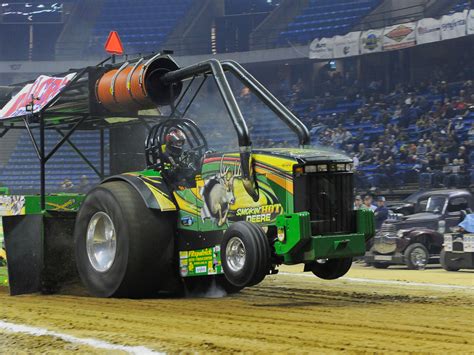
x=173, y=149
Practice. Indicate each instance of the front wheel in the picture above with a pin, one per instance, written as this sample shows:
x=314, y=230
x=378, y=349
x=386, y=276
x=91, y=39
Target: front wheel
x=245, y=254
x=445, y=262
x=331, y=269
x=416, y=256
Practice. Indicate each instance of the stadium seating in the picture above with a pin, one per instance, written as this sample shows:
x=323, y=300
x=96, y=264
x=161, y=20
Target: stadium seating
x=142, y=28
x=459, y=6
x=21, y=173
x=326, y=18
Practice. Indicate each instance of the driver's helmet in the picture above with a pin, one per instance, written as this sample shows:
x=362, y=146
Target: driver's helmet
x=175, y=141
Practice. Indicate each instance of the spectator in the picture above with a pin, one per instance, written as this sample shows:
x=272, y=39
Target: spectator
x=368, y=203
x=66, y=185
x=358, y=203
x=84, y=184
x=381, y=212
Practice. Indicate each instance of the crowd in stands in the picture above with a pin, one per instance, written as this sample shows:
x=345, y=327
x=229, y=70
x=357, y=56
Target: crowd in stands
x=420, y=133
x=413, y=135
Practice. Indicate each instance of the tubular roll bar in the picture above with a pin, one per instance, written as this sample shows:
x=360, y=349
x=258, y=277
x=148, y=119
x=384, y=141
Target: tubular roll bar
x=214, y=66
x=217, y=69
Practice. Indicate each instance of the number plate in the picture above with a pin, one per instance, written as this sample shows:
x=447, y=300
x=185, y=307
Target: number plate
x=383, y=257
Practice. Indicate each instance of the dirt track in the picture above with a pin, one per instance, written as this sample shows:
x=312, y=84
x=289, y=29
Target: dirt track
x=286, y=313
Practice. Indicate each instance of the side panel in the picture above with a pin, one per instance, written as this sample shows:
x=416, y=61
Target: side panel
x=24, y=246
x=59, y=266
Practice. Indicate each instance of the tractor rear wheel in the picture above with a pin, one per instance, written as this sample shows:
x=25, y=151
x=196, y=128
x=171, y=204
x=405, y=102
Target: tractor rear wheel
x=122, y=248
x=330, y=269
x=245, y=254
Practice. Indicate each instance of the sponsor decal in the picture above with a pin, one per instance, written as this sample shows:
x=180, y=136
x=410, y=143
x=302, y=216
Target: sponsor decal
x=33, y=97
x=399, y=33
x=12, y=205
x=187, y=221
x=201, y=262
x=259, y=214
x=451, y=26
x=201, y=269
x=426, y=30
x=371, y=42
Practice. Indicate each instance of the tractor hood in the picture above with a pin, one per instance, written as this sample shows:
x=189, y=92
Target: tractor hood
x=307, y=155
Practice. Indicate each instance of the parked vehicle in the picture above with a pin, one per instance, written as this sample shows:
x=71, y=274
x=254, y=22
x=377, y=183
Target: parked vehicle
x=417, y=239
x=458, y=247
x=412, y=204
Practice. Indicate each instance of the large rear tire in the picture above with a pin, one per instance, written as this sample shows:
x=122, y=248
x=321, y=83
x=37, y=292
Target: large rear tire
x=124, y=249
x=245, y=254
x=331, y=269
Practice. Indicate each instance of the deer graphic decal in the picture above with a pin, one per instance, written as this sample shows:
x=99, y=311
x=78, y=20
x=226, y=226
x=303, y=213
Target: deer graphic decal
x=218, y=194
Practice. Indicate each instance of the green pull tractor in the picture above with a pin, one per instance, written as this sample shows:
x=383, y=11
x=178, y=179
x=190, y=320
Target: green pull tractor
x=192, y=216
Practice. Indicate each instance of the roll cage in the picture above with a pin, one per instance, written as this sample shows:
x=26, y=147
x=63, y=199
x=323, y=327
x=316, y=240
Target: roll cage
x=77, y=107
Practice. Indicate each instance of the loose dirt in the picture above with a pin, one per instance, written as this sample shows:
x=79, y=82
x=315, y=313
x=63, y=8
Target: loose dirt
x=286, y=313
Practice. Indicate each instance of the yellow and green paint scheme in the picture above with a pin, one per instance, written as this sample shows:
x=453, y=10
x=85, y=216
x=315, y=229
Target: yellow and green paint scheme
x=199, y=230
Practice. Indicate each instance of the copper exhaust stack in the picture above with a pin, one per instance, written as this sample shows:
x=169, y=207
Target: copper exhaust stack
x=137, y=86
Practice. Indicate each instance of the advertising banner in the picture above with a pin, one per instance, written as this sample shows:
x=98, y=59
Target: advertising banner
x=453, y=26
x=41, y=92
x=399, y=36
x=371, y=41
x=321, y=48
x=470, y=22
x=347, y=45
x=428, y=30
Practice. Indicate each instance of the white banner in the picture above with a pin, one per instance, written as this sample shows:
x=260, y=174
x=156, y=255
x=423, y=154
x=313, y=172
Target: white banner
x=453, y=26
x=347, y=45
x=470, y=22
x=44, y=89
x=428, y=30
x=371, y=41
x=399, y=36
x=321, y=48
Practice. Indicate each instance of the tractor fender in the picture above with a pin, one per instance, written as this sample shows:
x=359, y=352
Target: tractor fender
x=153, y=190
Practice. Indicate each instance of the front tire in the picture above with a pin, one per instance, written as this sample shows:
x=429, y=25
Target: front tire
x=245, y=254
x=331, y=269
x=444, y=260
x=416, y=256
x=122, y=248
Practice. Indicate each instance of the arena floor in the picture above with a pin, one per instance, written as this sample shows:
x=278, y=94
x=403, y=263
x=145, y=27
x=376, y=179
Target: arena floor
x=394, y=310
